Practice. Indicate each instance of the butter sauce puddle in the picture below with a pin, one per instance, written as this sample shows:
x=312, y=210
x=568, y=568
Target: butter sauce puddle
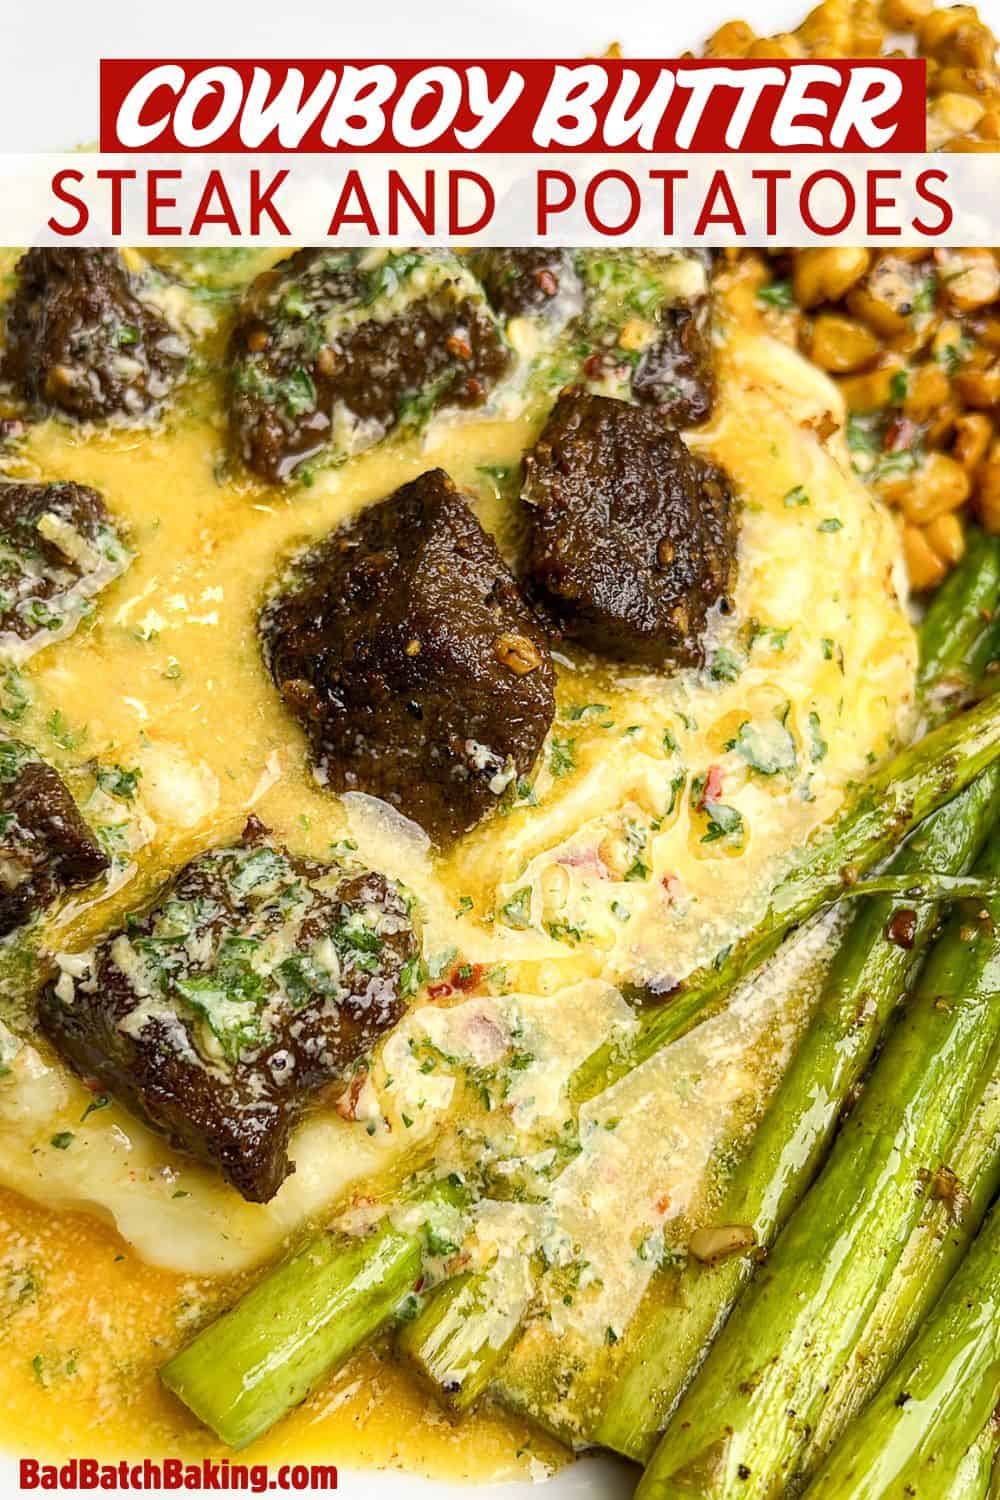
x=169, y=680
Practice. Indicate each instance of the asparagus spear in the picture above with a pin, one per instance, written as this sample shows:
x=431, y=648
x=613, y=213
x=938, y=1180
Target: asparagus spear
x=875, y=820
x=457, y=1353
x=259, y=1347
x=687, y=1305
x=932, y=1254
x=262, y=1357
x=960, y=618
x=939, y=1399
x=744, y=1424
x=455, y=1341
x=974, y=1473
x=461, y=1335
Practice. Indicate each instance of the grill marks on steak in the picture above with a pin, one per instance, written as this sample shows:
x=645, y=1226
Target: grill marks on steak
x=333, y=349
x=81, y=340
x=59, y=547
x=405, y=648
x=45, y=845
x=255, y=979
x=632, y=536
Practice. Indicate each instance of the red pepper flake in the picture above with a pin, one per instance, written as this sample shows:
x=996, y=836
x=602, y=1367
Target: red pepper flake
x=712, y=790
x=593, y=364
x=466, y=976
x=460, y=347
x=473, y=388
x=662, y=1204
x=346, y=1106
x=437, y=990
x=900, y=434
x=672, y=886
x=547, y=282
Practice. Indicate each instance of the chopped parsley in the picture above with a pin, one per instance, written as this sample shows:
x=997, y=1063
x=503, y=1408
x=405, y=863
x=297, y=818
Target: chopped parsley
x=577, y=712
x=778, y=294
x=766, y=748
x=562, y=755
x=724, y=823
x=118, y=781
x=926, y=295
x=725, y=665
x=817, y=744
x=517, y=911
x=636, y=838
x=100, y=1102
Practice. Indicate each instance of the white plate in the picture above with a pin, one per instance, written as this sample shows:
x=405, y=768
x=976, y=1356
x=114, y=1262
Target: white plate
x=49, y=100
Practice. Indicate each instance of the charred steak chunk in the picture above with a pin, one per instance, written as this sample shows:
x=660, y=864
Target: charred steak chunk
x=58, y=549
x=538, y=283
x=255, y=979
x=632, y=536
x=676, y=373
x=334, y=348
x=405, y=648
x=80, y=339
x=45, y=846
x=648, y=317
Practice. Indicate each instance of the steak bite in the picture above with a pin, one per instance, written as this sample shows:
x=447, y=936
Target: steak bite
x=255, y=979
x=676, y=373
x=59, y=548
x=79, y=338
x=403, y=645
x=648, y=318
x=537, y=283
x=45, y=845
x=632, y=536
x=334, y=348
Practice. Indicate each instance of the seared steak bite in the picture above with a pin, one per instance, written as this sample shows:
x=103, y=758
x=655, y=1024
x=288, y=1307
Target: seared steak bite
x=404, y=647
x=58, y=548
x=334, y=348
x=632, y=536
x=45, y=846
x=531, y=283
x=676, y=374
x=648, y=319
x=81, y=340
x=255, y=979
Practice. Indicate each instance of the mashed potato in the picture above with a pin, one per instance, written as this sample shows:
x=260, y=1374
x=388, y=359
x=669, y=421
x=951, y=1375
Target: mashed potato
x=661, y=815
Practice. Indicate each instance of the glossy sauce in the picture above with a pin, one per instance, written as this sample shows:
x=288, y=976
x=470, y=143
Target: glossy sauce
x=544, y=903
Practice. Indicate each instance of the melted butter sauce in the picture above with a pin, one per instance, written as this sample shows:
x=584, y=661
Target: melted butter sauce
x=602, y=875
x=86, y=1325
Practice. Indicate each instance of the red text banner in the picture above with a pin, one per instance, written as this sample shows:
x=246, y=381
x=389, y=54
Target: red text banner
x=686, y=105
